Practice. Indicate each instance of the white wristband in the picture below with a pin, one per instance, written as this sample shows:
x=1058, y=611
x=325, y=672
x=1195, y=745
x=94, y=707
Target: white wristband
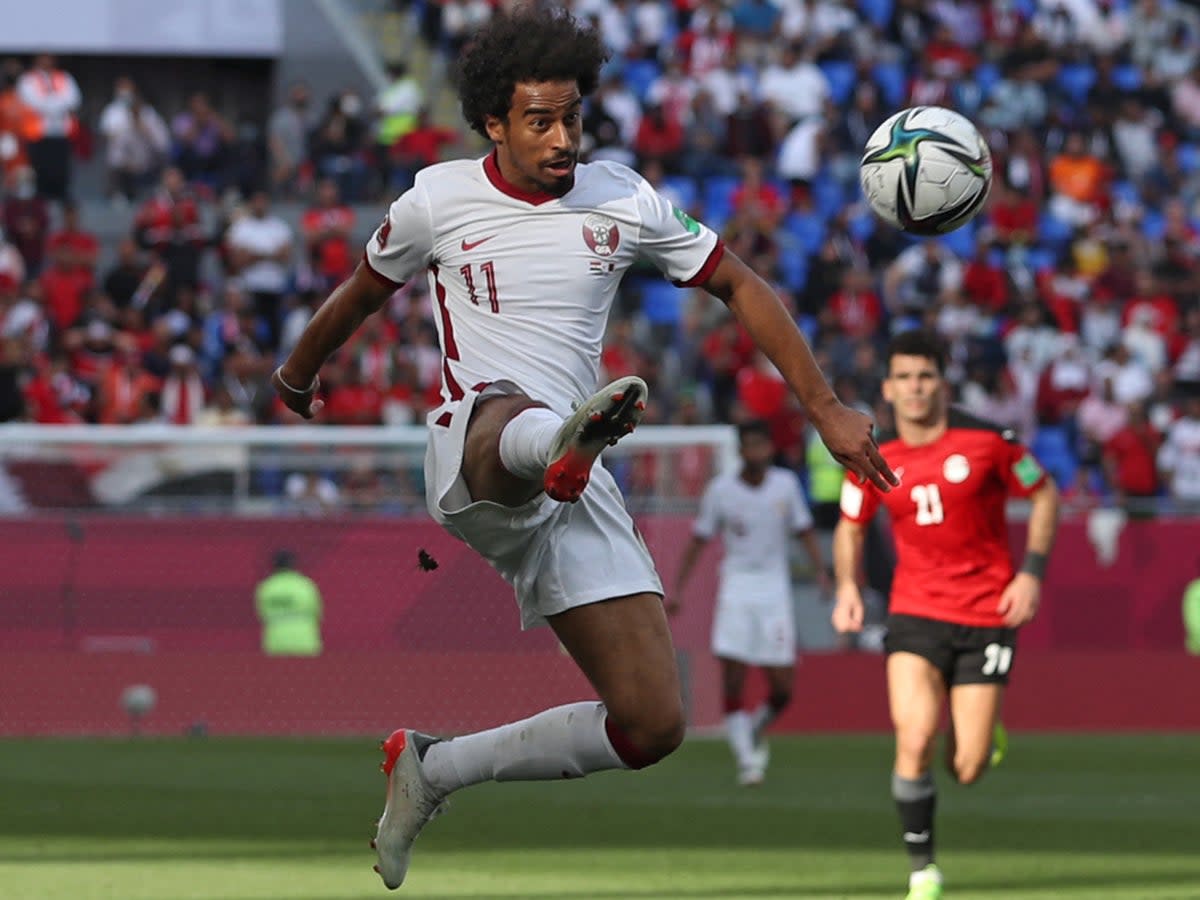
x=316, y=383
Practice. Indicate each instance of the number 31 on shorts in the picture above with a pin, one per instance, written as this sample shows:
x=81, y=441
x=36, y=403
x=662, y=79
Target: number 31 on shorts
x=996, y=659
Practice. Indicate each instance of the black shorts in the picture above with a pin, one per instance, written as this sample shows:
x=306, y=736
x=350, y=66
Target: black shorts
x=964, y=654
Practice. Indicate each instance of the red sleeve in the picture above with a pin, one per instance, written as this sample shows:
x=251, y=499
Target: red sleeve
x=859, y=501
x=1023, y=475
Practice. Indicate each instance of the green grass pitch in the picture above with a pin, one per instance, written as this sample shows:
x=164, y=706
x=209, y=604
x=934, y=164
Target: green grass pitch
x=1066, y=818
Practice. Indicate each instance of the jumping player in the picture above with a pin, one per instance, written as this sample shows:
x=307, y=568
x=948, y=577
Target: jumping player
x=956, y=604
x=756, y=510
x=524, y=250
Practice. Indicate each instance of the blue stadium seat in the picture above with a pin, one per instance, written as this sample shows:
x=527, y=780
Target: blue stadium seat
x=1154, y=224
x=1075, y=80
x=1127, y=78
x=1054, y=232
x=718, y=199
x=827, y=195
x=639, y=75
x=661, y=301
x=862, y=226
x=842, y=79
x=986, y=76
x=1040, y=258
x=793, y=266
x=1126, y=192
x=961, y=241
x=808, y=229
x=878, y=12
x=892, y=81
x=685, y=187
x=1188, y=156
x=1053, y=450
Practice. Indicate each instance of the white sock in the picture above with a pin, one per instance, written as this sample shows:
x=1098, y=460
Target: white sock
x=563, y=742
x=740, y=735
x=525, y=442
x=761, y=718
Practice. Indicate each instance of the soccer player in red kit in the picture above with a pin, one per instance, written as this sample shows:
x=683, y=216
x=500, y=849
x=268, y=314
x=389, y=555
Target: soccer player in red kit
x=956, y=603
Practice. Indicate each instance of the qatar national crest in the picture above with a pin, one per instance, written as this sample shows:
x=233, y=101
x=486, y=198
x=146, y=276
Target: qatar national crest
x=601, y=234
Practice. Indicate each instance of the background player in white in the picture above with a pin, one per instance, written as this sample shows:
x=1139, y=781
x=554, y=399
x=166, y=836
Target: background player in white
x=524, y=250
x=756, y=510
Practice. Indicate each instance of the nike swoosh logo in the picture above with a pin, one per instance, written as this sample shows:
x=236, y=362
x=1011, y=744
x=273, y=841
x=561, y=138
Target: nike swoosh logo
x=915, y=837
x=471, y=245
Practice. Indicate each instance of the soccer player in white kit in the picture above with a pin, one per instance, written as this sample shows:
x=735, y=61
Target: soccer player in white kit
x=756, y=510
x=524, y=250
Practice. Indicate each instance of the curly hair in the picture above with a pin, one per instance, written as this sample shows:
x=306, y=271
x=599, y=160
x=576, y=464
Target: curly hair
x=526, y=44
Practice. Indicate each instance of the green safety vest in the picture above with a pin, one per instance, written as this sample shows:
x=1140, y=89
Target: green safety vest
x=289, y=607
x=1191, y=616
x=825, y=474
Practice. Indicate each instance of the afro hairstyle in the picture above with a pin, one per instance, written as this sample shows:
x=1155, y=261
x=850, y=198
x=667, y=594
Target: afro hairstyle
x=527, y=44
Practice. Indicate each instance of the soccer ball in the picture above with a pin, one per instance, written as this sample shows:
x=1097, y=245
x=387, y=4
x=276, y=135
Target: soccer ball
x=926, y=170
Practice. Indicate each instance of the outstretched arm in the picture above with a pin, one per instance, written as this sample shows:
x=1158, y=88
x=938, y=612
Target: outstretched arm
x=347, y=308
x=846, y=432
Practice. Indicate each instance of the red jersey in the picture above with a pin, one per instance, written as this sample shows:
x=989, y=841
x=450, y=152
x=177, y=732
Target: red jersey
x=952, y=552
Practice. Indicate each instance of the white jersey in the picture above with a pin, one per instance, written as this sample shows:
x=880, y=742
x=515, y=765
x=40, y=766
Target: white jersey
x=755, y=522
x=1180, y=455
x=524, y=282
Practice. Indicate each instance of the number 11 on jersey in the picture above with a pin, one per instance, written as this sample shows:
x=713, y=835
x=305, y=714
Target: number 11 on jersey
x=489, y=274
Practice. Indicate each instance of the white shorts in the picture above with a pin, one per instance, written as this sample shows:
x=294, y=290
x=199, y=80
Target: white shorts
x=755, y=622
x=555, y=555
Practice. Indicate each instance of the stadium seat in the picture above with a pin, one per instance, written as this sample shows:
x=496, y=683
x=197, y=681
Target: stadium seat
x=892, y=82
x=661, y=301
x=986, y=76
x=878, y=12
x=718, y=199
x=1154, y=224
x=793, y=266
x=961, y=241
x=1040, y=258
x=1127, y=78
x=842, y=78
x=862, y=226
x=1053, y=450
x=685, y=187
x=827, y=194
x=808, y=229
x=1188, y=156
x=1075, y=80
x=1126, y=192
x=1054, y=232
x=639, y=75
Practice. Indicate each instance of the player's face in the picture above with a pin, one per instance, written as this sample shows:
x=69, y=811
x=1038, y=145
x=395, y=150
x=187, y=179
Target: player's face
x=757, y=451
x=538, y=145
x=915, y=389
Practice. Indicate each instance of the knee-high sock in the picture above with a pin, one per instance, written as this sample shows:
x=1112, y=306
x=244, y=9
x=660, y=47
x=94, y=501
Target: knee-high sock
x=525, y=442
x=916, y=801
x=739, y=731
x=563, y=742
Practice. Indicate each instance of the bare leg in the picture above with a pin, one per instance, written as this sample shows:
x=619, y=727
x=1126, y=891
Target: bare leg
x=974, y=710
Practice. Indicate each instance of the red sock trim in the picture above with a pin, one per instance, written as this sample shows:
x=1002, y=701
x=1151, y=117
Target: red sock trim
x=731, y=704
x=625, y=748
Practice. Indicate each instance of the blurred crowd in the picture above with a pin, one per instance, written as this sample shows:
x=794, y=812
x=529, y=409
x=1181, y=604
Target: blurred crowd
x=1070, y=304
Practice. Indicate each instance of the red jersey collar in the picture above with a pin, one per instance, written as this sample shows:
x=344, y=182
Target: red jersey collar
x=491, y=168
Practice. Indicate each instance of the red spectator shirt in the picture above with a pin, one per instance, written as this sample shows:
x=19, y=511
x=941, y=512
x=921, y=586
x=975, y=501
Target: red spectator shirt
x=952, y=551
x=331, y=255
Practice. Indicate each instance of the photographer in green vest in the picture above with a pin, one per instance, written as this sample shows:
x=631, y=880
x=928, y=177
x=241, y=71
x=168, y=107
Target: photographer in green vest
x=289, y=608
